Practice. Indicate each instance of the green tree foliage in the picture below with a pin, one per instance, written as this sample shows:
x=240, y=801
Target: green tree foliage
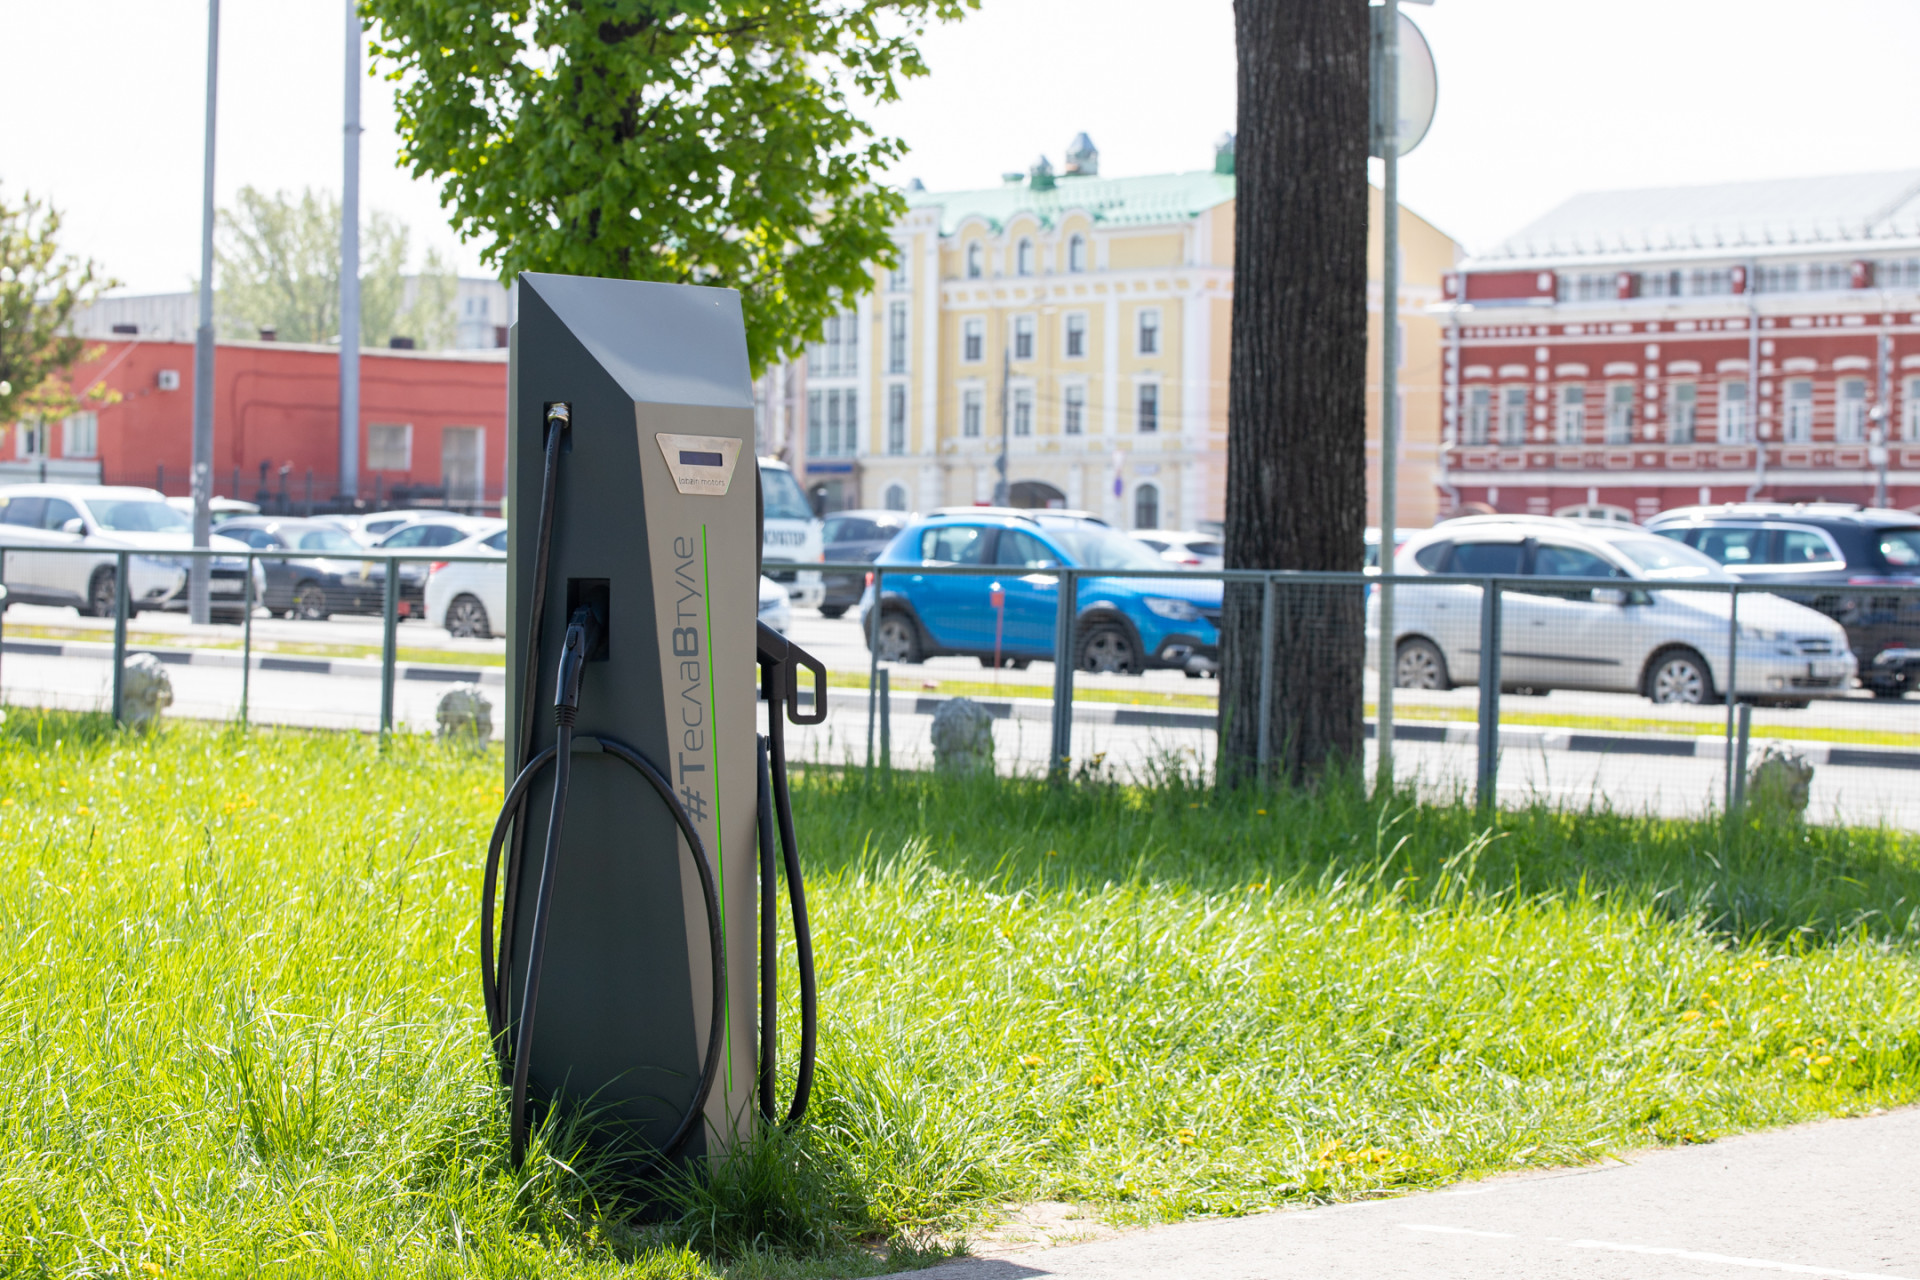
x=688, y=141
x=39, y=289
x=278, y=267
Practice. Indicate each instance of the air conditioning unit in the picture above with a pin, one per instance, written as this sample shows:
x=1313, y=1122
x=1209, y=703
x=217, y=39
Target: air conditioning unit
x=169, y=379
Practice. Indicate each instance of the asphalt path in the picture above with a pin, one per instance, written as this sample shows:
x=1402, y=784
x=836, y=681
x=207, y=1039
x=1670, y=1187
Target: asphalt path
x=1834, y=1200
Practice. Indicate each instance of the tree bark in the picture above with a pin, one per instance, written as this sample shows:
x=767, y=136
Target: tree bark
x=1296, y=417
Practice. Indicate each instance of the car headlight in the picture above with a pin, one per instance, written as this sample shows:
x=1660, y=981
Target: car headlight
x=1173, y=610
x=1750, y=632
x=164, y=562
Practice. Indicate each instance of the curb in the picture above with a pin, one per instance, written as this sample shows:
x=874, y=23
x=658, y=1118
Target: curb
x=360, y=667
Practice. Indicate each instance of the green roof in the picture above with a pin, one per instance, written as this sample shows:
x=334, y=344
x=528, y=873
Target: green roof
x=1161, y=197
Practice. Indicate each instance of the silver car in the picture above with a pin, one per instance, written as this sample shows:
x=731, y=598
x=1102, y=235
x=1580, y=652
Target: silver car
x=1669, y=645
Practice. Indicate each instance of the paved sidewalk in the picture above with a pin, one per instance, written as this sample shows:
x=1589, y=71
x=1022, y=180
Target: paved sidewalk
x=1838, y=1199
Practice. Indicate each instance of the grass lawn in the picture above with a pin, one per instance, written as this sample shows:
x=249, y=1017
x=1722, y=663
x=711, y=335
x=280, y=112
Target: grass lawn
x=241, y=1028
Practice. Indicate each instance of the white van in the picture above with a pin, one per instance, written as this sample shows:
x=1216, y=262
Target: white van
x=792, y=532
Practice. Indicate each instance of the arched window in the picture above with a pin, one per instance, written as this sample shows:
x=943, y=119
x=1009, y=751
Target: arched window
x=1077, y=253
x=1024, y=258
x=973, y=261
x=896, y=497
x=1146, y=507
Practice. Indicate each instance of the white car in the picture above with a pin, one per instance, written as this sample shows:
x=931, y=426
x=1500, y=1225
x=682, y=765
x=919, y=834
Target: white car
x=105, y=519
x=220, y=509
x=775, y=609
x=1183, y=550
x=1668, y=645
x=470, y=600
x=789, y=530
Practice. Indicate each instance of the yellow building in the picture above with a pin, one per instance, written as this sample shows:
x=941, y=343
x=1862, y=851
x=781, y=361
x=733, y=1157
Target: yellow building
x=1088, y=319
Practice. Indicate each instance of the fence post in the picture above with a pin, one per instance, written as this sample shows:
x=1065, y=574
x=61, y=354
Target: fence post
x=1485, y=789
x=873, y=660
x=1733, y=697
x=885, y=697
x=1065, y=616
x=1383, y=688
x=390, y=621
x=1263, y=754
x=1740, y=756
x=119, y=631
x=246, y=641
x=3, y=603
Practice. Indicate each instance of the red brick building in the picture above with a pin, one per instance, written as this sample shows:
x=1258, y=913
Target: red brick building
x=1607, y=354
x=432, y=424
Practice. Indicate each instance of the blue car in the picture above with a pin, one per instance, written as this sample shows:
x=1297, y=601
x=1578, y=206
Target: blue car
x=1125, y=624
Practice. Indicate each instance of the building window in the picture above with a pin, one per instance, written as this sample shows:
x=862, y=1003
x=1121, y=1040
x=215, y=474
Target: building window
x=1023, y=337
x=1733, y=413
x=973, y=340
x=1147, y=410
x=390, y=448
x=1799, y=425
x=1780, y=279
x=1910, y=411
x=1573, y=414
x=1146, y=507
x=1513, y=415
x=1620, y=413
x=834, y=355
x=1149, y=344
x=896, y=337
x=1707, y=281
x=1479, y=414
x=972, y=405
x=897, y=418
x=1850, y=411
x=1023, y=411
x=1076, y=335
x=1023, y=258
x=30, y=441
x=1660, y=284
x=1077, y=253
x=1829, y=275
x=973, y=261
x=1587, y=286
x=900, y=275
x=896, y=497
x=80, y=435
x=1073, y=410
x=1686, y=399
x=833, y=424
x=815, y=422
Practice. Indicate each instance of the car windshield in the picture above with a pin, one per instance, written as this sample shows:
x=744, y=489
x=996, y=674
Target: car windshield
x=784, y=501
x=327, y=540
x=1901, y=547
x=137, y=515
x=1665, y=558
x=1092, y=547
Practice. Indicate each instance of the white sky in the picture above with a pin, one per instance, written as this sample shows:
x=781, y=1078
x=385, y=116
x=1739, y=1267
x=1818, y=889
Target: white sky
x=1538, y=99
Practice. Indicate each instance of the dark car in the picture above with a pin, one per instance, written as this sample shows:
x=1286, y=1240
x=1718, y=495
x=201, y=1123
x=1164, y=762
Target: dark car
x=1837, y=554
x=423, y=535
x=854, y=537
x=327, y=577
x=1126, y=624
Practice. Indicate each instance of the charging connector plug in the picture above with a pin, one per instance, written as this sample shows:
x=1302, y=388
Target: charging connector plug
x=584, y=629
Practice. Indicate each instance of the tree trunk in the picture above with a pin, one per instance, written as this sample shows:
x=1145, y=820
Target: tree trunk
x=1296, y=442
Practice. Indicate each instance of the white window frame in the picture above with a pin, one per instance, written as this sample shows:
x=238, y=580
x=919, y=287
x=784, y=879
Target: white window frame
x=30, y=439
x=1621, y=398
x=1076, y=253
x=1735, y=421
x=1146, y=331
x=973, y=412
x=80, y=435
x=1025, y=329
x=973, y=340
x=896, y=418
x=975, y=256
x=897, y=336
x=1146, y=423
x=816, y=423
x=1850, y=411
x=1797, y=411
x=1513, y=416
x=1683, y=413
x=1479, y=415
x=1023, y=256
x=1910, y=411
x=900, y=275
x=1073, y=409
x=1022, y=411
x=1572, y=413
x=379, y=457
x=1073, y=326
x=896, y=497
x=1141, y=490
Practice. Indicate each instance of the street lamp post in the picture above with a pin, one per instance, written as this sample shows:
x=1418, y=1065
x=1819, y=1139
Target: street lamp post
x=199, y=606
x=350, y=269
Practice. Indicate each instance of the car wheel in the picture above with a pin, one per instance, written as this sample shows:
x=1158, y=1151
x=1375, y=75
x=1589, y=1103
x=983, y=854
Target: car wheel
x=467, y=619
x=101, y=592
x=899, y=639
x=1887, y=689
x=1680, y=677
x=833, y=611
x=1107, y=649
x=309, y=602
x=1419, y=664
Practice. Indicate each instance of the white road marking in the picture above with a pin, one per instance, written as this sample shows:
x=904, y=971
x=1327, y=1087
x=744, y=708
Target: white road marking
x=1763, y=1264
x=1457, y=1231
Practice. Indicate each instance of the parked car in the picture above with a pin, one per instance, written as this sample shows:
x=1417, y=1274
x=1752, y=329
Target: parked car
x=853, y=537
x=105, y=519
x=369, y=529
x=1840, y=551
x=1183, y=550
x=775, y=609
x=468, y=599
x=1123, y=624
x=330, y=578
x=1372, y=537
x=219, y=509
x=1671, y=646
x=425, y=534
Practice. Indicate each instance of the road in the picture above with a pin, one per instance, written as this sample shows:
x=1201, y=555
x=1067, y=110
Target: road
x=348, y=698
x=1833, y=1200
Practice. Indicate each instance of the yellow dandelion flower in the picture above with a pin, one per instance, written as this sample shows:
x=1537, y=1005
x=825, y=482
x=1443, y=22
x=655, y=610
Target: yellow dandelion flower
x=1690, y=1015
x=1261, y=812
x=1718, y=1023
x=1032, y=1060
x=84, y=809
x=7, y=803
x=1185, y=1137
x=1819, y=1042
x=1096, y=1081
x=1825, y=1059
x=1798, y=1051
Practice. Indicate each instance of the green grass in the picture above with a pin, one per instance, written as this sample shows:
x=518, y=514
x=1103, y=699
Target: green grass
x=241, y=1034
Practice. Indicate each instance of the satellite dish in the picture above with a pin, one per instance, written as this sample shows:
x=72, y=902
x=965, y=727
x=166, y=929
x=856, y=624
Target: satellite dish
x=1419, y=88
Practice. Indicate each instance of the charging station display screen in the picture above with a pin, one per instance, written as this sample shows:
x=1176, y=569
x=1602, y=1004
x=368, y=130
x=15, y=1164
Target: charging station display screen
x=690, y=458
x=700, y=465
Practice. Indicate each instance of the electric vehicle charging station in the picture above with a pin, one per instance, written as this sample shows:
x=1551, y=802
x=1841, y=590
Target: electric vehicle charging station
x=634, y=855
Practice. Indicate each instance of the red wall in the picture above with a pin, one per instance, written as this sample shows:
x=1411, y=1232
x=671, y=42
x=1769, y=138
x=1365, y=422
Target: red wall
x=281, y=404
